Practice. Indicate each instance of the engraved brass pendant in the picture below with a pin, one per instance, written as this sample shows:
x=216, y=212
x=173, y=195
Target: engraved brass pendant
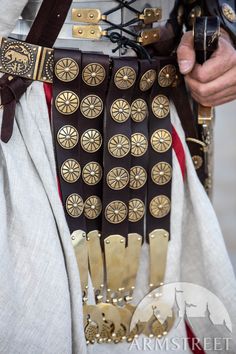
x=160, y=206
x=91, y=140
x=91, y=106
x=125, y=78
x=120, y=111
x=68, y=137
x=92, y=207
x=70, y=171
x=228, y=12
x=119, y=146
x=136, y=210
x=92, y=173
x=66, y=69
x=118, y=178
x=167, y=76
x=139, y=110
x=93, y=322
x=161, y=140
x=158, y=328
x=94, y=74
x=74, y=205
x=161, y=173
x=160, y=106
x=116, y=212
x=123, y=331
x=138, y=177
x=67, y=102
x=111, y=322
x=147, y=80
x=139, y=144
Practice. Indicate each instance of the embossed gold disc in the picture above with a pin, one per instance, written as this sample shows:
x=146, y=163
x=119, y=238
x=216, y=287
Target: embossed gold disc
x=119, y=146
x=67, y=102
x=66, y=69
x=70, y=171
x=92, y=173
x=125, y=78
x=118, y=178
x=116, y=212
x=91, y=106
x=139, y=144
x=138, y=177
x=92, y=207
x=120, y=110
x=167, y=76
x=91, y=140
x=161, y=173
x=228, y=12
x=136, y=210
x=160, y=206
x=74, y=205
x=94, y=74
x=161, y=140
x=160, y=106
x=139, y=110
x=147, y=80
x=68, y=137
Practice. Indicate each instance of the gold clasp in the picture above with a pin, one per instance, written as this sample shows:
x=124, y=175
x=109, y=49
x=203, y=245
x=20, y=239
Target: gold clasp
x=151, y=15
x=93, y=32
x=92, y=16
x=149, y=36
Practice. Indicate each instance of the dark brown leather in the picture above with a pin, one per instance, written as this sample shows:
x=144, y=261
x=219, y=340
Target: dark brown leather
x=59, y=120
x=112, y=128
x=154, y=157
x=44, y=31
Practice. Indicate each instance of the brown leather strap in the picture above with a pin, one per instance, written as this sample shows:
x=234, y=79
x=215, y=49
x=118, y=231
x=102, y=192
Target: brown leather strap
x=117, y=137
x=66, y=136
x=179, y=96
x=93, y=90
x=44, y=31
x=160, y=156
x=146, y=79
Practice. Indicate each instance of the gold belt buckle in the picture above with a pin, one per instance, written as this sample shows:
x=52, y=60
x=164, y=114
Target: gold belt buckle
x=26, y=60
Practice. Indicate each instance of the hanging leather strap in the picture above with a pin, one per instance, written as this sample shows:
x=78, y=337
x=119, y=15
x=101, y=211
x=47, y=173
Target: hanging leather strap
x=44, y=31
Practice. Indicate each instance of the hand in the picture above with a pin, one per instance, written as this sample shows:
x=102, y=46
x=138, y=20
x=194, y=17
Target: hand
x=214, y=82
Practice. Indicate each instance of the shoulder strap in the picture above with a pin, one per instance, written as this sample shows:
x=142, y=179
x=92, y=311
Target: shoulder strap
x=48, y=23
x=44, y=32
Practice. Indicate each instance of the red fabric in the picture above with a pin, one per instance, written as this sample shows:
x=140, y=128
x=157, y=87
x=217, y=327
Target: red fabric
x=48, y=96
x=179, y=151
